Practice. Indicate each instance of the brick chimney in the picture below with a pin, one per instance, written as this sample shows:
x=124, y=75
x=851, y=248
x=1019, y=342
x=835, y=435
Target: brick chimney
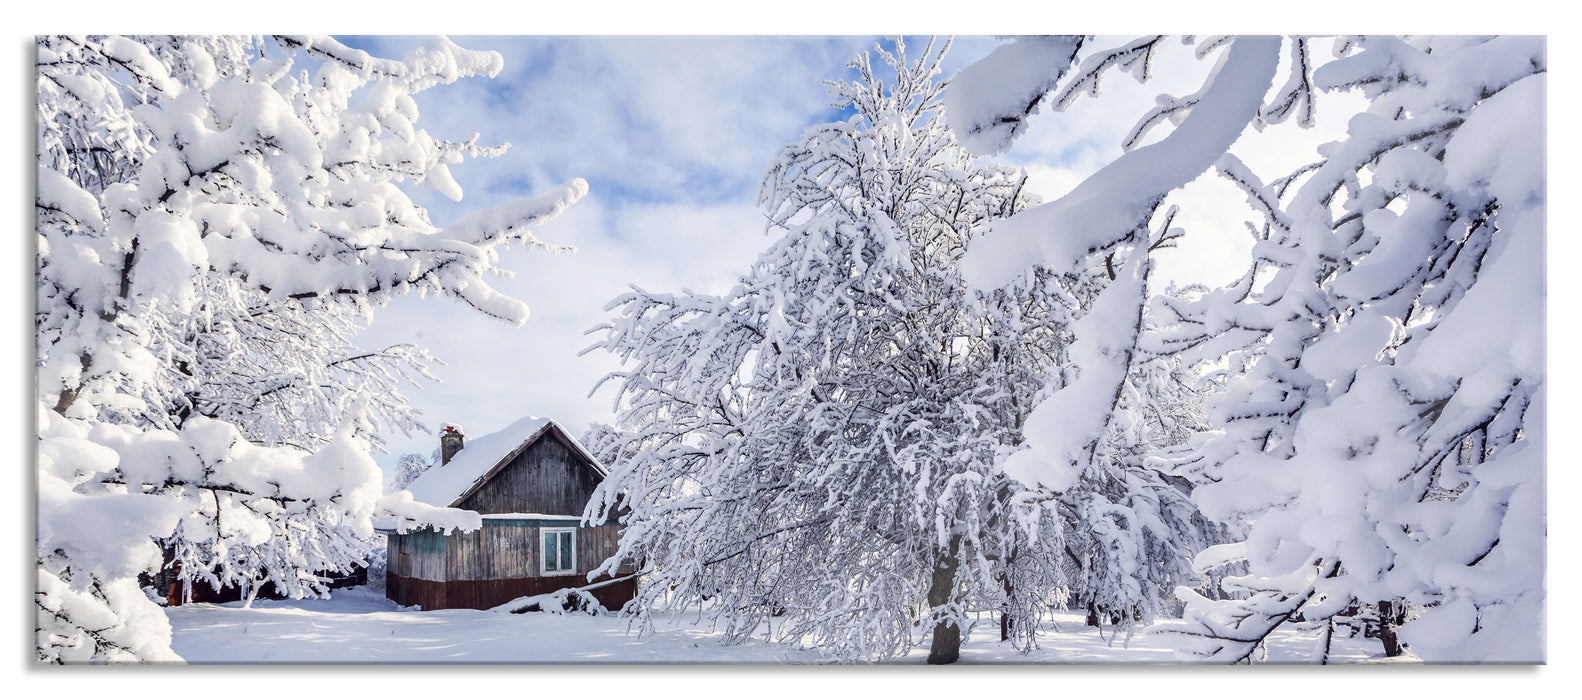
x=450, y=441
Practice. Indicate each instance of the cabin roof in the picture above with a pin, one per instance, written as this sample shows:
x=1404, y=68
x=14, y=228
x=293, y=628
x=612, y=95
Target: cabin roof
x=481, y=458
x=386, y=525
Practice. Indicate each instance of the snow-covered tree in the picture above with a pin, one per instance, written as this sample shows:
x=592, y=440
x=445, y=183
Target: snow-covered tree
x=1129, y=527
x=215, y=217
x=1380, y=437
x=408, y=467
x=814, y=450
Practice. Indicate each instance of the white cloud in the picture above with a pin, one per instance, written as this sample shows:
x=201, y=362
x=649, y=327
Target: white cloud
x=642, y=118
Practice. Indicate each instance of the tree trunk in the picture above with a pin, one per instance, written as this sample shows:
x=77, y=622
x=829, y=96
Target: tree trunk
x=252, y=592
x=946, y=647
x=1005, y=610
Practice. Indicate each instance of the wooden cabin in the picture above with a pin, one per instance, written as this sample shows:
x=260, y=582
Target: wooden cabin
x=530, y=482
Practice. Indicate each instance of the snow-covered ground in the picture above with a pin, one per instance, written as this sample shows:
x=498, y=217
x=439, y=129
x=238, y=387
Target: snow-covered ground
x=361, y=626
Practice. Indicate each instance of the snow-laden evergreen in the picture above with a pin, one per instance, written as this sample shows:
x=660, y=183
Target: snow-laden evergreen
x=1379, y=436
x=408, y=467
x=215, y=217
x=815, y=447
x=818, y=447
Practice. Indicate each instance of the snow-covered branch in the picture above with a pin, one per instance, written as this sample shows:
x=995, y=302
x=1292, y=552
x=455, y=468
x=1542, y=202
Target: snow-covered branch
x=217, y=216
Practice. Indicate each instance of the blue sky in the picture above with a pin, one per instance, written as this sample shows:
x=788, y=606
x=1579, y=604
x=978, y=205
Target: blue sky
x=645, y=119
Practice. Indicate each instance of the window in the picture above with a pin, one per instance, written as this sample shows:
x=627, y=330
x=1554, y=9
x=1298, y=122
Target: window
x=559, y=550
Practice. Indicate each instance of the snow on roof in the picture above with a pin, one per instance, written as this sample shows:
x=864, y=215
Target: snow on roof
x=443, y=485
x=528, y=516
x=388, y=524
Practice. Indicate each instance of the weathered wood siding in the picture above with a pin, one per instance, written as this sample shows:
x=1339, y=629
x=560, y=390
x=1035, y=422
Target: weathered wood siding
x=546, y=478
x=510, y=549
x=493, y=565
x=430, y=595
x=417, y=554
x=415, y=568
x=498, y=550
x=482, y=595
x=595, y=544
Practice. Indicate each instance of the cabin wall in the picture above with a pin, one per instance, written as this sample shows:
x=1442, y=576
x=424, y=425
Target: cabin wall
x=495, y=565
x=548, y=477
x=510, y=549
x=415, y=568
x=497, y=551
x=595, y=544
x=482, y=595
x=418, y=554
